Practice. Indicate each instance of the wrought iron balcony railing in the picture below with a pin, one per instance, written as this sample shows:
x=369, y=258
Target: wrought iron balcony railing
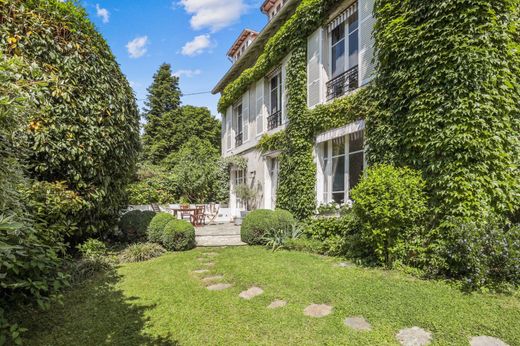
x=274, y=120
x=342, y=84
x=238, y=140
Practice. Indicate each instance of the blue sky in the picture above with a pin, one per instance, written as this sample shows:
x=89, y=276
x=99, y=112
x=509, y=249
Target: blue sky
x=191, y=35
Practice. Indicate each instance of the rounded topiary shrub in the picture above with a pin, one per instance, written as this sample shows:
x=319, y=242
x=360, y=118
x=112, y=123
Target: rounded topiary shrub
x=258, y=222
x=134, y=224
x=178, y=235
x=389, y=202
x=156, y=226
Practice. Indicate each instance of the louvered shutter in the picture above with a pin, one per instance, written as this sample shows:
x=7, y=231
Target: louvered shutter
x=245, y=117
x=283, y=75
x=314, y=69
x=366, y=41
x=252, y=111
x=260, y=106
x=229, y=116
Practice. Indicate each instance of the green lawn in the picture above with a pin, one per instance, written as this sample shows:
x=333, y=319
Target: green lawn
x=160, y=302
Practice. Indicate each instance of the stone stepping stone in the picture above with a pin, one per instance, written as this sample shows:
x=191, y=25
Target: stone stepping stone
x=357, y=323
x=200, y=271
x=251, y=293
x=414, y=336
x=210, y=253
x=484, y=340
x=345, y=265
x=277, y=304
x=209, y=264
x=218, y=287
x=317, y=310
x=212, y=278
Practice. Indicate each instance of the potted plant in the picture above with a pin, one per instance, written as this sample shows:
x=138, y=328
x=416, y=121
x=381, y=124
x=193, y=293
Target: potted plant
x=247, y=195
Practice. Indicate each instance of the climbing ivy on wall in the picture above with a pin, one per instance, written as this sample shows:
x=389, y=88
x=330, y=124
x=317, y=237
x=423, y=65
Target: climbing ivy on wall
x=447, y=99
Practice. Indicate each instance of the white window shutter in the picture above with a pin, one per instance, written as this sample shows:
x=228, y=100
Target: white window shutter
x=314, y=69
x=245, y=117
x=260, y=106
x=283, y=75
x=366, y=41
x=252, y=111
x=229, y=115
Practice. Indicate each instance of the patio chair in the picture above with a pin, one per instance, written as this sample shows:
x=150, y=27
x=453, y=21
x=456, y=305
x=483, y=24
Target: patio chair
x=197, y=218
x=212, y=213
x=155, y=207
x=185, y=215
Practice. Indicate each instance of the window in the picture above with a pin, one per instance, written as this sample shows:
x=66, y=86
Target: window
x=338, y=50
x=342, y=164
x=275, y=101
x=240, y=177
x=344, y=53
x=237, y=114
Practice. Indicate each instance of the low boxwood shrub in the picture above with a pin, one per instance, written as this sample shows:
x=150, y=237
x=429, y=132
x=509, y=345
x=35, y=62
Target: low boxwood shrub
x=259, y=222
x=141, y=252
x=388, y=201
x=178, y=235
x=134, y=224
x=156, y=227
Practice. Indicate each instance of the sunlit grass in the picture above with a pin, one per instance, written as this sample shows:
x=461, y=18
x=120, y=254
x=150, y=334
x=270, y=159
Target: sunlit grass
x=162, y=302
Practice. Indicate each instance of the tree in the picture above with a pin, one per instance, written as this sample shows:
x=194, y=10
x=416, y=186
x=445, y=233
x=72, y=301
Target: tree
x=178, y=126
x=199, y=171
x=85, y=132
x=164, y=97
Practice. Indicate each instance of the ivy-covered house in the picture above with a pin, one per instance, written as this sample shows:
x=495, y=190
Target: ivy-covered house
x=303, y=104
x=338, y=62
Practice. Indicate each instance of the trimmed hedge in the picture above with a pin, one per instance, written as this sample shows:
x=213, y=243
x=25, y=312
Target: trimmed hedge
x=156, y=226
x=258, y=222
x=135, y=223
x=178, y=235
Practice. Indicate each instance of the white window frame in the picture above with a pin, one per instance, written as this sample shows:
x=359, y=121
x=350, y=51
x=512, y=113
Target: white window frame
x=346, y=34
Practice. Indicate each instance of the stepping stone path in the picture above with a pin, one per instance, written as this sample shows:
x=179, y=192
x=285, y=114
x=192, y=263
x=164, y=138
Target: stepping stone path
x=251, y=293
x=200, y=271
x=219, y=287
x=317, y=310
x=210, y=253
x=209, y=264
x=345, y=265
x=486, y=341
x=414, y=336
x=212, y=278
x=277, y=304
x=357, y=323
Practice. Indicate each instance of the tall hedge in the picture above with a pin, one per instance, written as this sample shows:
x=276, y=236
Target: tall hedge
x=448, y=100
x=86, y=133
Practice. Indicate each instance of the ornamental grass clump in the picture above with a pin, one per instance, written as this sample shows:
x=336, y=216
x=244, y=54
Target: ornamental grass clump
x=141, y=252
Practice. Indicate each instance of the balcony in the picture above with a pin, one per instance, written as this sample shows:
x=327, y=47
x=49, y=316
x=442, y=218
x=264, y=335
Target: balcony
x=238, y=140
x=274, y=120
x=342, y=84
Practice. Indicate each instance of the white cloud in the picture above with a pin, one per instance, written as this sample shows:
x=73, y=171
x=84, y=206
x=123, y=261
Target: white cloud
x=197, y=45
x=187, y=73
x=213, y=14
x=137, y=47
x=103, y=13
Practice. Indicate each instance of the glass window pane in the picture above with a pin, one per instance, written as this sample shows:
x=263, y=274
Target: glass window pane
x=355, y=141
x=353, y=22
x=353, y=55
x=338, y=146
x=338, y=33
x=338, y=59
x=355, y=169
x=338, y=174
x=274, y=101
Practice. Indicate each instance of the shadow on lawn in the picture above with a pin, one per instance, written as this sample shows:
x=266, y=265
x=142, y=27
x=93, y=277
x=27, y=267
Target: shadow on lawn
x=95, y=313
